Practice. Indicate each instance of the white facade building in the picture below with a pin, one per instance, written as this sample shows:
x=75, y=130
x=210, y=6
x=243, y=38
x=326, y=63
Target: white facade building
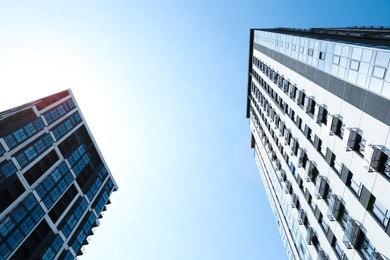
x=319, y=110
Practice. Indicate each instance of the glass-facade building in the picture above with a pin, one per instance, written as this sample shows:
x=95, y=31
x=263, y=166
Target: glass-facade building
x=54, y=182
x=318, y=104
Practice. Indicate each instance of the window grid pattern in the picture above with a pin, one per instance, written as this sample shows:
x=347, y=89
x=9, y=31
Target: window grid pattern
x=18, y=224
x=360, y=65
x=97, y=184
x=258, y=96
x=78, y=159
x=74, y=218
x=58, y=111
x=6, y=170
x=34, y=150
x=21, y=134
x=54, y=185
x=2, y=150
x=104, y=197
x=53, y=249
x=83, y=233
x=66, y=126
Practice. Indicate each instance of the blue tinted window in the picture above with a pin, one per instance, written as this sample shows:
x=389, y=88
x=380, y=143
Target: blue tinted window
x=15, y=238
x=19, y=213
x=20, y=135
x=22, y=160
x=2, y=150
x=4, y=251
x=6, y=226
x=30, y=153
x=10, y=140
x=27, y=225
x=8, y=169
x=30, y=201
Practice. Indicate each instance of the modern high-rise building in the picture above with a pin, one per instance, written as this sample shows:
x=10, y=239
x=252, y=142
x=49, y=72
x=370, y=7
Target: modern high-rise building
x=319, y=111
x=54, y=183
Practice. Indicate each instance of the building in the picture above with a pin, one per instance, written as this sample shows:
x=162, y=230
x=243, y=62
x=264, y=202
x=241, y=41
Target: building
x=319, y=110
x=54, y=183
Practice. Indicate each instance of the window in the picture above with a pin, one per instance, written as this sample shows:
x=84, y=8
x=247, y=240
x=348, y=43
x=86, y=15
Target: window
x=379, y=72
x=336, y=59
x=336, y=125
x=322, y=55
x=381, y=213
x=301, y=98
x=322, y=115
x=311, y=104
x=310, y=52
x=354, y=65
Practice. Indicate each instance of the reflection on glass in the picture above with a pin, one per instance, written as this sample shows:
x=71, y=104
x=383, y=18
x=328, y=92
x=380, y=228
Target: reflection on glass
x=346, y=51
x=363, y=68
x=343, y=62
x=367, y=55
x=352, y=76
x=378, y=72
x=341, y=72
x=337, y=49
x=336, y=59
x=386, y=90
x=354, y=65
x=382, y=58
x=376, y=85
x=361, y=80
x=356, y=53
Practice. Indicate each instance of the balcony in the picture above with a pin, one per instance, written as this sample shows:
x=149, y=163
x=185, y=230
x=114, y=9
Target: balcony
x=336, y=208
x=322, y=188
x=353, y=234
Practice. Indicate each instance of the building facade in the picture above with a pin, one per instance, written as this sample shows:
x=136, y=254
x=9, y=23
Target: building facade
x=54, y=183
x=318, y=104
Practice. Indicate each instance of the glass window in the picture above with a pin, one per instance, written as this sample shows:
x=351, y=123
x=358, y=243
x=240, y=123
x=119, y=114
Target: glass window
x=386, y=89
x=336, y=59
x=376, y=85
x=382, y=58
x=6, y=226
x=346, y=51
x=356, y=53
x=8, y=169
x=378, y=72
x=354, y=65
x=20, y=135
x=322, y=55
x=337, y=49
x=367, y=55
x=381, y=213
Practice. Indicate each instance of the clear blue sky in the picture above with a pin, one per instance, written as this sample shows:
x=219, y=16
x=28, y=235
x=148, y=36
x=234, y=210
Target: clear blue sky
x=162, y=85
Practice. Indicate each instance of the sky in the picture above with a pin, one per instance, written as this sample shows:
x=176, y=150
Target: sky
x=162, y=85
